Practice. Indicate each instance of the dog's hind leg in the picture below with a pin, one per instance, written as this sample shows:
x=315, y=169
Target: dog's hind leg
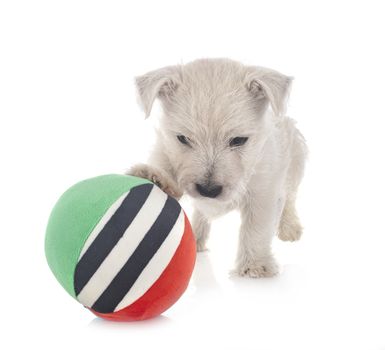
x=201, y=229
x=290, y=228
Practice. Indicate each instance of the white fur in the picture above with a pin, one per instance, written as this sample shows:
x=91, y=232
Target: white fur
x=211, y=101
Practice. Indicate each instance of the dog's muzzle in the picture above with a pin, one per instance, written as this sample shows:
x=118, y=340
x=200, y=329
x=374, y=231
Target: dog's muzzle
x=209, y=190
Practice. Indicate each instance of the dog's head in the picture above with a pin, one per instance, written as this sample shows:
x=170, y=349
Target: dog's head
x=215, y=122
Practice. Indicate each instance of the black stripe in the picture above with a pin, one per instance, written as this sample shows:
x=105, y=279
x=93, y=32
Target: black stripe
x=110, y=235
x=139, y=259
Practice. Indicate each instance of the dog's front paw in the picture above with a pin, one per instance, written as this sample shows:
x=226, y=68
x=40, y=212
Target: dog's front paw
x=266, y=267
x=158, y=177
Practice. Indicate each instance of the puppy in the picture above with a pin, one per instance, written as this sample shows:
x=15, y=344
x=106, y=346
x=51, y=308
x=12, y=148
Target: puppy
x=225, y=141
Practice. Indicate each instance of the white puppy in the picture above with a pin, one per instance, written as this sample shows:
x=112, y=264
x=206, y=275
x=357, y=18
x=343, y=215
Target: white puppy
x=225, y=141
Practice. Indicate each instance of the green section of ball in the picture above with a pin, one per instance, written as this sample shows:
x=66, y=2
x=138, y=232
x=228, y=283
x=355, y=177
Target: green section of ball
x=74, y=217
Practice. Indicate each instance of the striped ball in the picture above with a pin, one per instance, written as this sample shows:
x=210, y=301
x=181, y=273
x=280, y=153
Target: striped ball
x=120, y=246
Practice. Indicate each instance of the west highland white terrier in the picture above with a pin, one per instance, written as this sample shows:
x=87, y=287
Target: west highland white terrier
x=224, y=140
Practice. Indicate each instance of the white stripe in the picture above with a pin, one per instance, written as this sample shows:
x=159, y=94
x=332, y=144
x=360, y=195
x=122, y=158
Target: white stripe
x=119, y=255
x=100, y=225
x=157, y=264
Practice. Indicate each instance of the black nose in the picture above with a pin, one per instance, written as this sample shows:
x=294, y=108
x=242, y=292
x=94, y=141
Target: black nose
x=210, y=191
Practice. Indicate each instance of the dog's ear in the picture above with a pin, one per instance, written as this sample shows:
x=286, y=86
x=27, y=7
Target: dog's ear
x=272, y=85
x=160, y=83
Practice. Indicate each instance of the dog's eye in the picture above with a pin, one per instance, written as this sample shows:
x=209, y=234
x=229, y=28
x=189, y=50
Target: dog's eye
x=238, y=141
x=183, y=139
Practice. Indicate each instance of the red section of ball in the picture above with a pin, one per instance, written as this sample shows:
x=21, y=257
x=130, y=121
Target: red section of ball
x=167, y=289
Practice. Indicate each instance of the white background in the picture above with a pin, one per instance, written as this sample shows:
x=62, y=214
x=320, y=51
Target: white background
x=68, y=111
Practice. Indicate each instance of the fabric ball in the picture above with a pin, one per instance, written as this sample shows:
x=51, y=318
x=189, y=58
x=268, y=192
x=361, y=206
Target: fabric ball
x=121, y=246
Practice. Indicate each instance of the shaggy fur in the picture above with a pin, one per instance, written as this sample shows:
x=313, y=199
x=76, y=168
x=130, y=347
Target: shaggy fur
x=210, y=102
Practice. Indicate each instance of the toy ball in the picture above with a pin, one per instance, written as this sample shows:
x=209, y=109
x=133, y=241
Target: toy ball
x=121, y=246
